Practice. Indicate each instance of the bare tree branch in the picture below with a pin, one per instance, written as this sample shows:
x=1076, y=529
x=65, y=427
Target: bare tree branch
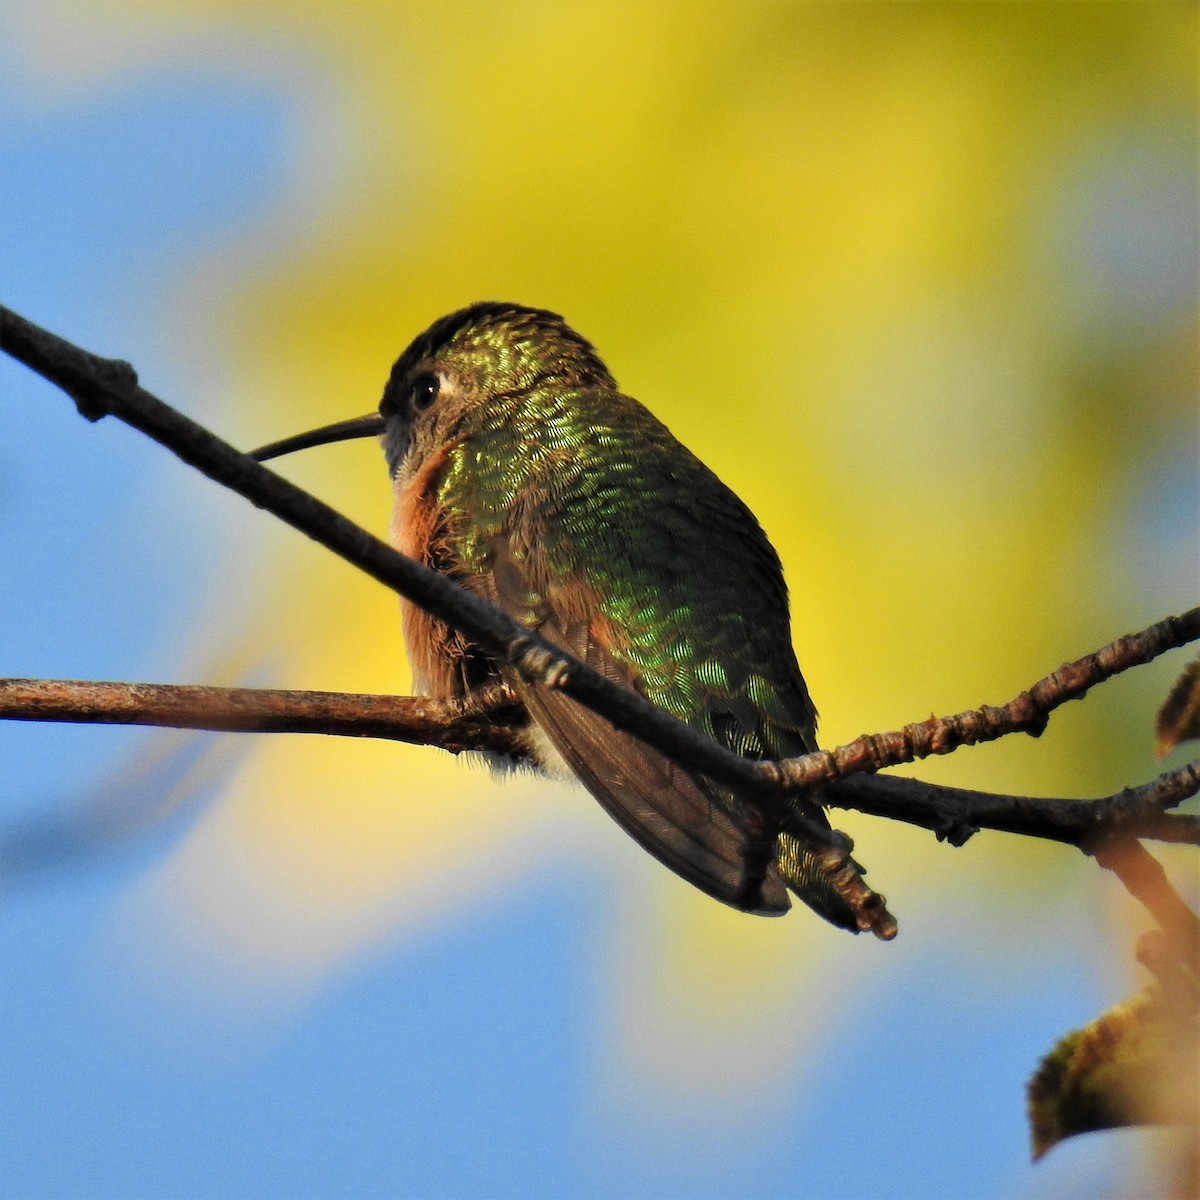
x=487, y=724
x=1172, y=951
x=1143, y=877
x=955, y=814
x=102, y=387
x=1029, y=712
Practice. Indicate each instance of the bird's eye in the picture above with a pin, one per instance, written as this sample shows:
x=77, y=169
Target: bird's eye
x=425, y=391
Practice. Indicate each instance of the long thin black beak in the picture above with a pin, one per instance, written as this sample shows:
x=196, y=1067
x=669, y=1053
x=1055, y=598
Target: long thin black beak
x=372, y=425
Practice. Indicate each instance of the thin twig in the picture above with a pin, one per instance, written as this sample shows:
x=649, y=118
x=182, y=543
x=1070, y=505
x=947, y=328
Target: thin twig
x=1029, y=712
x=1173, y=955
x=486, y=725
x=1144, y=878
x=955, y=814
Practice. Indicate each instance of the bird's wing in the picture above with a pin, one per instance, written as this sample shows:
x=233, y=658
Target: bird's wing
x=680, y=819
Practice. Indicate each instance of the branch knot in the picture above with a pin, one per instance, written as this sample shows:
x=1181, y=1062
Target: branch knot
x=537, y=663
x=109, y=376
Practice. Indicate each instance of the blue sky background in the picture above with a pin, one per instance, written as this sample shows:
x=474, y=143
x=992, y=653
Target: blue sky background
x=464, y=1062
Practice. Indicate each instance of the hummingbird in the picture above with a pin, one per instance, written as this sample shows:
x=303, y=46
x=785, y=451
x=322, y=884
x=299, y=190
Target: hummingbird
x=520, y=470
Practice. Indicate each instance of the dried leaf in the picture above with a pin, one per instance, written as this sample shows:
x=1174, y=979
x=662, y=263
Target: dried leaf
x=1136, y=1064
x=1179, y=718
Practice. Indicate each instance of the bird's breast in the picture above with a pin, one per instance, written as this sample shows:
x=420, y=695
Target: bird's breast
x=418, y=530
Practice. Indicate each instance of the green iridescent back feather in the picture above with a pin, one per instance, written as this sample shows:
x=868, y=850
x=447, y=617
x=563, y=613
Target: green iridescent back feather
x=679, y=565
